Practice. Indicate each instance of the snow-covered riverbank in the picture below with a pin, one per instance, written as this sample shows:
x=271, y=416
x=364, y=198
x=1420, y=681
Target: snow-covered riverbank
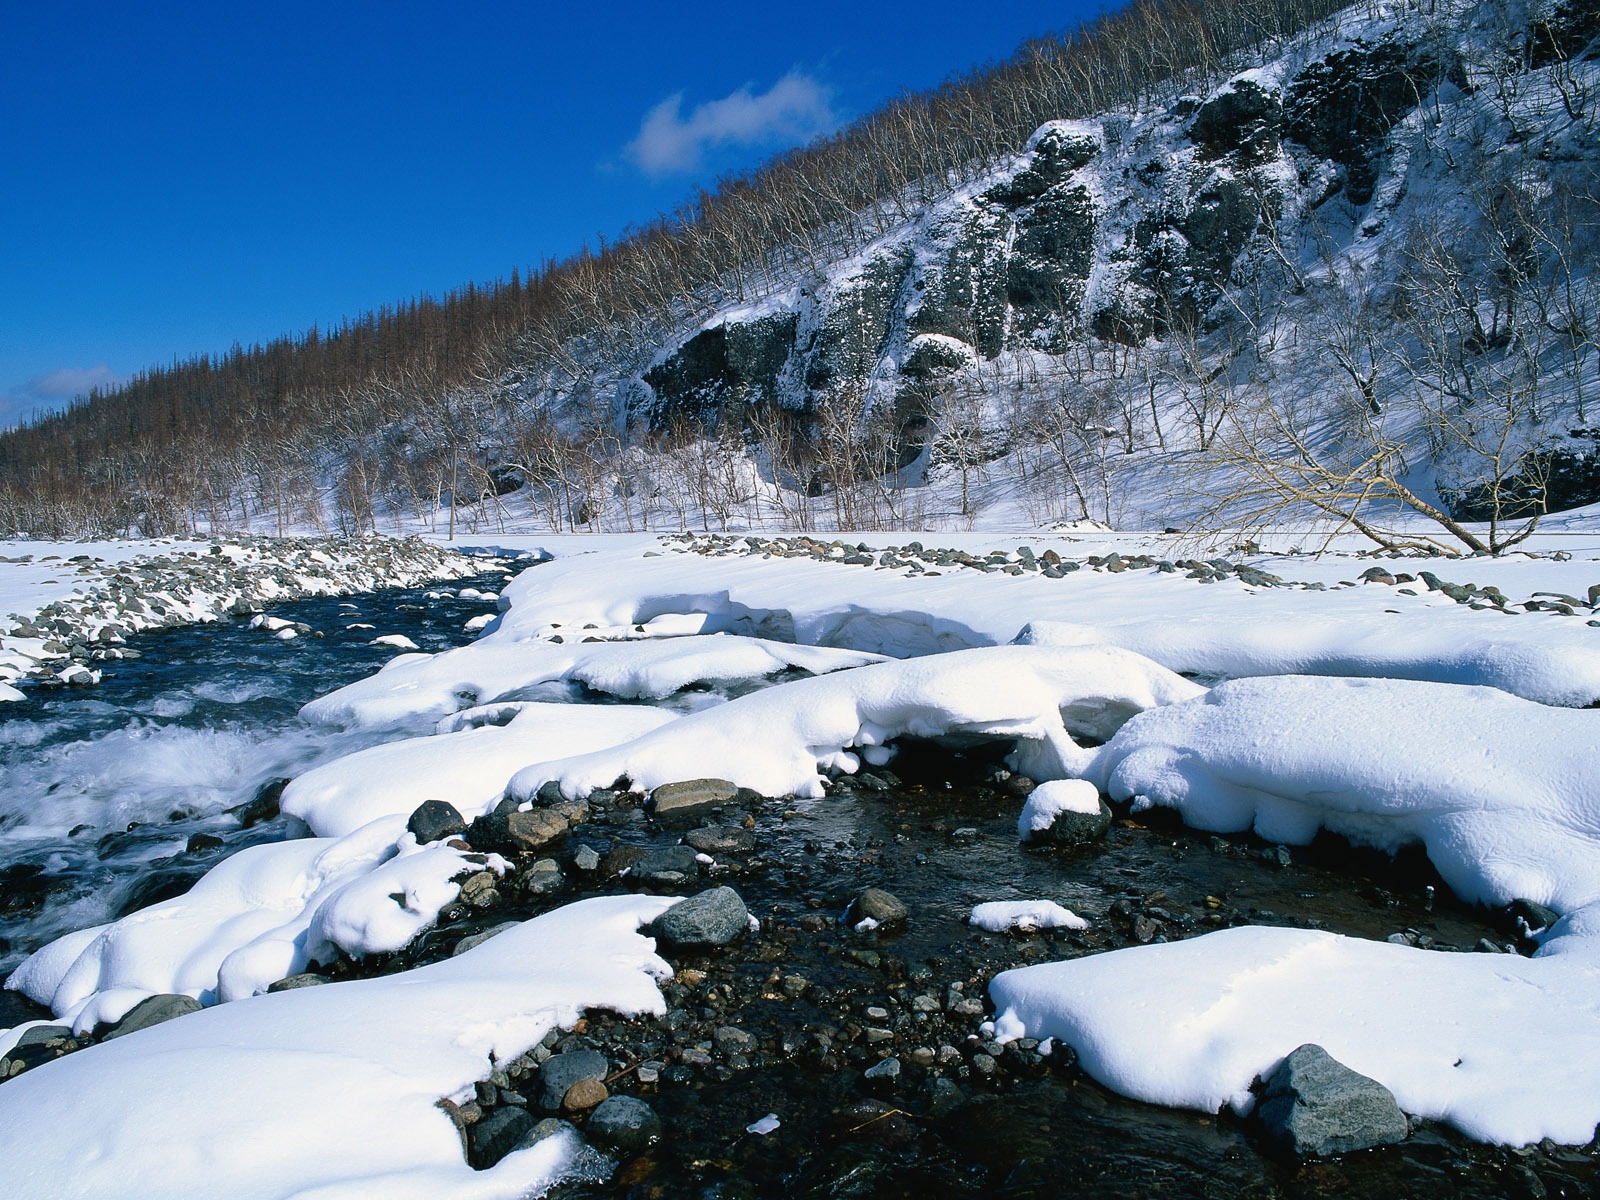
x=1394, y=701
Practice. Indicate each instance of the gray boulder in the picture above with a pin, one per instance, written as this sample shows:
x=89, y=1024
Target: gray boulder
x=153, y=1010
x=713, y=918
x=497, y=1135
x=879, y=906
x=667, y=867
x=1315, y=1106
x=560, y=1071
x=434, y=820
x=692, y=795
x=625, y=1125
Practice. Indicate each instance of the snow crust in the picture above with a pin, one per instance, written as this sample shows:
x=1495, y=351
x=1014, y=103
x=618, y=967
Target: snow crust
x=997, y=916
x=332, y=1091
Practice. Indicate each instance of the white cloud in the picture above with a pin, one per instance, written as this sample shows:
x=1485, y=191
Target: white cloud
x=794, y=109
x=67, y=382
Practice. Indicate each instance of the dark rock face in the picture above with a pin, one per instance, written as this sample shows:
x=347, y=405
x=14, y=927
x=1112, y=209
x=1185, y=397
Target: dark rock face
x=847, y=345
x=1317, y=1106
x=1244, y=121
x=729, y=366
x=1341, y=107
x=435, y=820
x=712, y=918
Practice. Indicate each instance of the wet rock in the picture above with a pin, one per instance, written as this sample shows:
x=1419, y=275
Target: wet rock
x=497, y=1135
x=667, y=867
x=435, y=820
x=586, y=858
x=1316, y=1106
x=560, y=1071
x=713, y=918
x=478, y=890
x=691, y=796
x=541, y=877
x=720, y=840
x=620, y=859
x=624, y=1125
x=883, y=1074
x=154, y=1010
x=1064, y=812
x=877, y=906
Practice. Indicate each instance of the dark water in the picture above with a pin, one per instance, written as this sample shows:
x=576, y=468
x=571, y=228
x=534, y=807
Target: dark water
x=103, y=791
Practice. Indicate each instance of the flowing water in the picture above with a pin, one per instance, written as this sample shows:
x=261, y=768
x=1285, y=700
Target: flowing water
x=116, y=796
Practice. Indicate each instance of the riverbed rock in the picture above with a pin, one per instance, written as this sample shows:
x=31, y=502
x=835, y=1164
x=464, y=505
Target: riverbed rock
x=1316, y=1106
x=713, y=918
x=584, y=1095
x=499, y=1133
x=692, y=795
x=154, y=1010
x=435, y=820
x=718, y=840
x=624, y=1124
x=877, y=906
x=667, y=867
x=560, y=1071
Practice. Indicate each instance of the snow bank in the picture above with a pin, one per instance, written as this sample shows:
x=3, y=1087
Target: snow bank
x=1501, y=791
x=254, y=918
x=467, y=768
x=436, y=685
x=1226, y=629
x=776, y=741
x=1506, y=1049
x=331, y=1091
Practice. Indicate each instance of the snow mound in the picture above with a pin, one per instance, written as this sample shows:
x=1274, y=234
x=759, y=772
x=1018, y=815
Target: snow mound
x=1506, y=1049
x=256, y=917
x=780, y=740
x=413, y=685
x=332, y=1091
x=1052, y=798
x=1500, y=790
x=997, y=916
x=466, y=766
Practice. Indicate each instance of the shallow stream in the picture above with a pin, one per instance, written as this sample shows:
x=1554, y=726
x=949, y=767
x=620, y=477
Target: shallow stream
x=114, y=797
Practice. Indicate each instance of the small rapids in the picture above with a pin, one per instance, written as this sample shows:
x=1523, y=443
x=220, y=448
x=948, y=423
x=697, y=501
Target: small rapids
x=114, y=797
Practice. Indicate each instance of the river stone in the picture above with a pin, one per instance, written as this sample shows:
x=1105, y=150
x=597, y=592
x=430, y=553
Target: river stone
x=291, y=983
x=668, y=866
x=692, y=795
x=720, y=839
x=713, y=918
x=624, y=1124
x=875, y=904
x=1317, y=1106
x=584, y=1095
x=434, y=820
x=497, y=1135
x=479, y=938
x=154, y=1010
x=560, y=1071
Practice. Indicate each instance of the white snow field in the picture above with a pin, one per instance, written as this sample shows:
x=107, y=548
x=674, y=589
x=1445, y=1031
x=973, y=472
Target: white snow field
x=1389, y=716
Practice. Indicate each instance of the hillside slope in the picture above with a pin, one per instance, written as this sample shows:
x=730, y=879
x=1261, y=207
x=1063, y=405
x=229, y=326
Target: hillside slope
x=1346, y=274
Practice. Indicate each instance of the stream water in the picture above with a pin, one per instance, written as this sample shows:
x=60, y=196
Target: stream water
x=118, y=796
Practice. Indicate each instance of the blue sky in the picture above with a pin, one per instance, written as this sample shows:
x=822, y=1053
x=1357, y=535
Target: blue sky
x=181, y=176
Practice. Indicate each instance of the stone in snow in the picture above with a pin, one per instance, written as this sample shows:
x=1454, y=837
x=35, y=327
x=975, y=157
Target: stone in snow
x=1315, y=1105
